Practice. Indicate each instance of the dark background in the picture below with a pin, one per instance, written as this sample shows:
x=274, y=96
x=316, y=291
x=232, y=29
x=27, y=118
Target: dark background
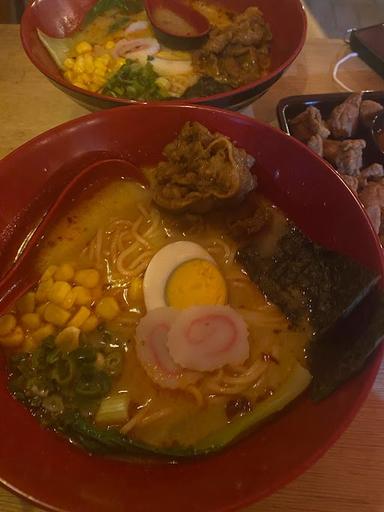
x=11, y=10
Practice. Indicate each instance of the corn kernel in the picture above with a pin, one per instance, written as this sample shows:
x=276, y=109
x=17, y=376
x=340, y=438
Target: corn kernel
x=105, y=59
x=42, y=333
x=48, y=273
x=83, y=47
x=58, y=292
x=79, y=66
x=7, y=324
x=85, y=78
x=43, y=290
x=135, y=290
x=40, y=310
x=69, y=75
x=90, y=324
x=83, y=296
x=56, y=315
x=14, y=339
x=69, y=300
x=119, y=62
x=31, y=321
x=98, y=80
x=29, y=344
x=68, y=339
x=69, y=63
x=93, y=87
x=109, y=45
x=26, y=304
x=107, y=308
x=79, y=84
x=89, y=278
x=100, y=71
x=64, y=273
x=89, y=63
x=163, y=82
x=99, y=62
x=80, y=317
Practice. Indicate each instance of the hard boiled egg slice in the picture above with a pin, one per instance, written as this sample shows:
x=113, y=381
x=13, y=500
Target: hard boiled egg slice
x=183, y=274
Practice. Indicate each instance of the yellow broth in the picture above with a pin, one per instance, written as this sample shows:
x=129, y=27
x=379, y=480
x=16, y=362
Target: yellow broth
x=176, y=416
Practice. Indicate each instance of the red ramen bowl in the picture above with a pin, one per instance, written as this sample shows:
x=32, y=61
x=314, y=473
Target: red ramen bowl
x=57, y=17
x=53, y=473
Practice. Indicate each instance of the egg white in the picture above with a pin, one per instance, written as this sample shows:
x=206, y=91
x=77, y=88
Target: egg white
x=162, y=266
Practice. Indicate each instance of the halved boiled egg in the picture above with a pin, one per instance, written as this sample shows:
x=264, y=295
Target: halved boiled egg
x=183, y=274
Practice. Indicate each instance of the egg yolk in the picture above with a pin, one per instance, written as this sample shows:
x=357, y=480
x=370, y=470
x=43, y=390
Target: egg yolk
x=195, y=283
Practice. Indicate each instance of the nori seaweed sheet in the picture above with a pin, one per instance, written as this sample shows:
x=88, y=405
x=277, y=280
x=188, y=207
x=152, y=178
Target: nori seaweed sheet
x=341, y=351
x=338, y=296
x=306, y=280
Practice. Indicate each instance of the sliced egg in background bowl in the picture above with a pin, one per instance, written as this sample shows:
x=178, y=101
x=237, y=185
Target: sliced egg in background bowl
x=183, y=274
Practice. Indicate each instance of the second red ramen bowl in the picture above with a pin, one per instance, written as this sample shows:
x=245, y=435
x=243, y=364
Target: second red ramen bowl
x=286, y=18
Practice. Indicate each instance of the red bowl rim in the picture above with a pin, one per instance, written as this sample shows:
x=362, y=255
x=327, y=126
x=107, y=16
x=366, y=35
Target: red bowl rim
x=375, y=359
x=201, y=99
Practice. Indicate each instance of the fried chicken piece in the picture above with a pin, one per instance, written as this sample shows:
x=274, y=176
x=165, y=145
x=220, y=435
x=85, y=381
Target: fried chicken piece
x=316, y=144
x=373, y=171
x=372, y=197
x=351, y=181
x=346, y=156
x=307, y=124
x=368, y=110
x=344, y=118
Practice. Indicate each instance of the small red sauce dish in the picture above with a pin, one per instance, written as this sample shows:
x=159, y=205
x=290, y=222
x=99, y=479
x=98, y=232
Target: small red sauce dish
x=176, y=24
x=49, y=471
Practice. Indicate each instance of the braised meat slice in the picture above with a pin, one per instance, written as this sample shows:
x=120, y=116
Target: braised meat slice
x=346, y=155
x=308, y=124
x=345, y=117
x=238, y=53
x=368, y=110
x=203, y=171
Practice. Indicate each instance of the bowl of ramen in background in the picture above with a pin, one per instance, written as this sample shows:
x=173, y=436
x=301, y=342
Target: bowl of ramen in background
x=50, y=24
x=70, y=479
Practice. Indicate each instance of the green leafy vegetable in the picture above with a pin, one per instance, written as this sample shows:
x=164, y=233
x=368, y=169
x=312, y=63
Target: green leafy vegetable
x=342, y=350
x=305, y=279
x=296, y=383
x=58, y=48
x=102, y=6
x=135, y=82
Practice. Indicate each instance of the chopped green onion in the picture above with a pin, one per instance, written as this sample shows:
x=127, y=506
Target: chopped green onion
x=113, y=363
x=93, y=386
x=63, y=371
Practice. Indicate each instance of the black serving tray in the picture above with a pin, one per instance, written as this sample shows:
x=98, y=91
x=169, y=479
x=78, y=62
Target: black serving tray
x=290, y=107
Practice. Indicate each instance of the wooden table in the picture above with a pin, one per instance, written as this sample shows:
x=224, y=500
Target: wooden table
x=349, y=478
